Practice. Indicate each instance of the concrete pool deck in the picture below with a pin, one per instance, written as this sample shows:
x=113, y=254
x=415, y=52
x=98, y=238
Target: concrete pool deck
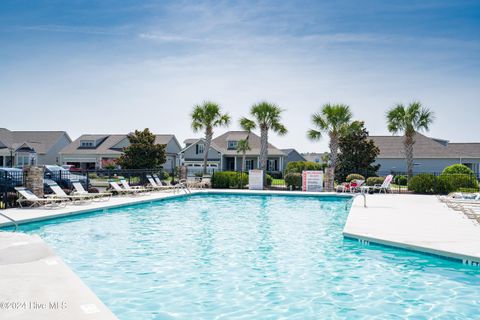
x=415, y=222
x=36, y=284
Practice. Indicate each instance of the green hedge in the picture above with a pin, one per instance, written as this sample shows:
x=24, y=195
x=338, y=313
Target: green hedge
x=424, y=183
x=443, y=184
x=400, y=180
x=374, y=180
x=354, y=176
x=457, y=169
x=232, y=179
x=294, y=180
x=299, y=166
x=229, y=179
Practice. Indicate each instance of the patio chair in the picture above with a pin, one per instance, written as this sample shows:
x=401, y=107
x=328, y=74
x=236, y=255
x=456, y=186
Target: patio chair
x=127, y=186
x=119, y=190
x=157, y=186
x=385, y=186
x=27, y=196
x=59, y=193
x=205, y=182
x=103, y=196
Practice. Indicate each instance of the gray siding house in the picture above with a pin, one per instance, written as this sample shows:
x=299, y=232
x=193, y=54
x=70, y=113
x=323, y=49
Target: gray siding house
x=223, y=154
x=94, y=151
x=20, y=148
x=430, y=155
x=292, y=155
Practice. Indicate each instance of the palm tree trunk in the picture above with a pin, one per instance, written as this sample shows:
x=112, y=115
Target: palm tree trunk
x=264, y=151
x=408, y=142
x=208, y=141
x=243, y=160
x=333, y=144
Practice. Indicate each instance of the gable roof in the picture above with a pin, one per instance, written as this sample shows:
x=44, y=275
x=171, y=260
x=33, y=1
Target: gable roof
x=288, y=151
x=40, y=141
x=254, y=141
x=391, y=147
x=107, y=143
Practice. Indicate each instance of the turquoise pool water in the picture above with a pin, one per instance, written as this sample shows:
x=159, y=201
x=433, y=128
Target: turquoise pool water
x=253, y=257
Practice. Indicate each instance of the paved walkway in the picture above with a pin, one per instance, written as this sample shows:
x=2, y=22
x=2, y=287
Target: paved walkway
x=415, y=222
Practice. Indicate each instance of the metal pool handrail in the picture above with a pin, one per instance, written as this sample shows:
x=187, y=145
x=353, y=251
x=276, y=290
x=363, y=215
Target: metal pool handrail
x=12, y=220
x=364, y=198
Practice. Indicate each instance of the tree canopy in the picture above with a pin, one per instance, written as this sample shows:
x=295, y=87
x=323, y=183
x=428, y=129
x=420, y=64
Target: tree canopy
x=357, y=153
x=143, y=152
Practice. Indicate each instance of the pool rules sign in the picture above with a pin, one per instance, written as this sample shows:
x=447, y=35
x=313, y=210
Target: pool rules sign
x=312, y=181
x=255, y=179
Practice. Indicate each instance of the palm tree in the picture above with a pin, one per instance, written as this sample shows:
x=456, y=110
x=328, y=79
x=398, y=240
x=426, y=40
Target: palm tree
x=409, y=120
x=206, y=117
x=267, y=117
x=335, y=120
x=242, y=147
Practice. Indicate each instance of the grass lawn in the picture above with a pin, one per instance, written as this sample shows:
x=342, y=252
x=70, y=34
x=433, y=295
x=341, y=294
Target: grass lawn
x=277, y=182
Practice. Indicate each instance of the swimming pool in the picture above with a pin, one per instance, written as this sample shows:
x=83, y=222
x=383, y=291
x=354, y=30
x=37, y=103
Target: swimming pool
x=252, y=257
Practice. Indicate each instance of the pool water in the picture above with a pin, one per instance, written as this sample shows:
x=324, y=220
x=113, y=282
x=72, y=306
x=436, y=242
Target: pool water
x=253, y=257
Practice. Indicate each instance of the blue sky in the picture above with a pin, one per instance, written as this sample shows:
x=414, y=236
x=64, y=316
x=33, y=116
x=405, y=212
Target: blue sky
x=115, y=66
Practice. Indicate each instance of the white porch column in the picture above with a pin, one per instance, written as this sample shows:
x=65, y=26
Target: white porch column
x=258, y=162
x=235, y=163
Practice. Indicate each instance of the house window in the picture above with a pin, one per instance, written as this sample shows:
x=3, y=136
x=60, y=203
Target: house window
x=232, y=145
x=87, y=143
x=249, y=164
x=272, y=165
x=200, y=148
x=23, y=161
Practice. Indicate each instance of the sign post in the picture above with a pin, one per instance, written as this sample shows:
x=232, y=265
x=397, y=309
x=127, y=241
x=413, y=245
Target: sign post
x=312, y=181
x=255, y=179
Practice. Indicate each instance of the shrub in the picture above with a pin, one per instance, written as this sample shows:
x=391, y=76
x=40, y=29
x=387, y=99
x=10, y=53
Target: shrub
x=276, y=174
x=299, y=166
x=400, y=180
x=354, y=176
x=230, y=179
x=455, y=182
x=268, y=178
x=423, y=183
x=374, y=180
x=93, y=190
x=93, y=175
x=457, y=169
x=294, y=180
x=165, y=175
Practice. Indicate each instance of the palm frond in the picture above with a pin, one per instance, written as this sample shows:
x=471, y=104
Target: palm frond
x=314, y=135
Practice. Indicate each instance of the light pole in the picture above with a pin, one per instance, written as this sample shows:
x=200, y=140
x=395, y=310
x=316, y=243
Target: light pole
x=11, y=157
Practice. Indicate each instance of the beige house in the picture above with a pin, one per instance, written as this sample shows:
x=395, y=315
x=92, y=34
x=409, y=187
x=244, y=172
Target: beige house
x=94, y=151
x=223, y=155
x=20, y=148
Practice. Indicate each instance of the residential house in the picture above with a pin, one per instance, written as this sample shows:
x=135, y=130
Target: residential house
x=292, y=155
x=92, y=151
x=20, y=148
x=315, y=157
x=431, y=155
x=223, y=154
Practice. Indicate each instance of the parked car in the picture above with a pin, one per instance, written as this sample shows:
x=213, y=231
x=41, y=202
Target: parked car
x=71, y=168
x=63, y=177
x=10, y=178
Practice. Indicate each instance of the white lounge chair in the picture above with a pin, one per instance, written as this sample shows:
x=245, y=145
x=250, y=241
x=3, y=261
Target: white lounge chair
x=158, y=186
x=127, y=186
x=27, y=196
x=59, y=193
x=385, y=186
x=120, y=190
x=102, y=196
